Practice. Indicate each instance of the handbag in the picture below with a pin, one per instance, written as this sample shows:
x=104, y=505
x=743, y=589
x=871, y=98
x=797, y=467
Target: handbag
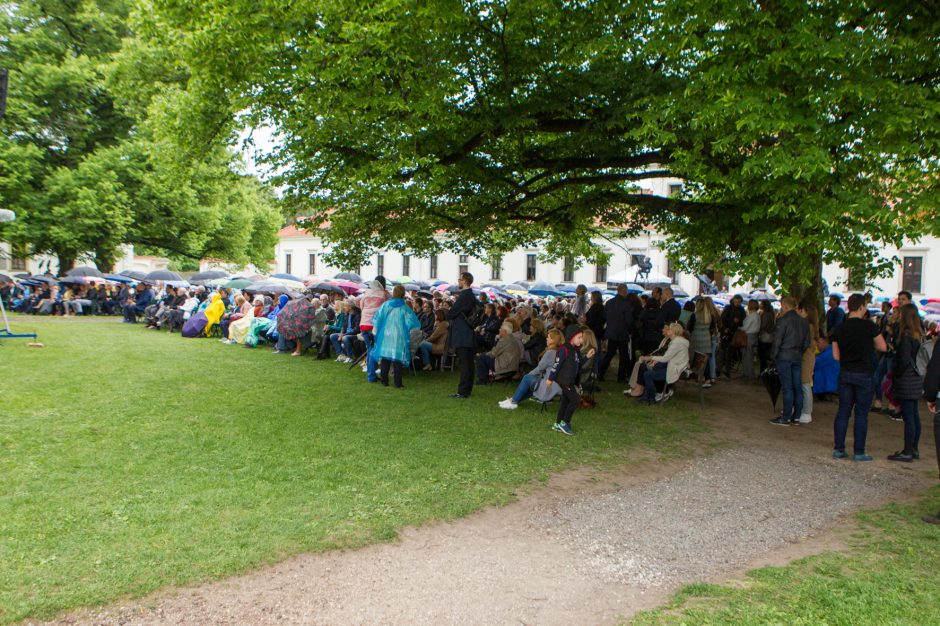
x=739, y=340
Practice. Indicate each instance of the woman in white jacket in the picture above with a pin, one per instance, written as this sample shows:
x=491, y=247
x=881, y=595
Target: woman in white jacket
x=751, y=328
x=667, y=367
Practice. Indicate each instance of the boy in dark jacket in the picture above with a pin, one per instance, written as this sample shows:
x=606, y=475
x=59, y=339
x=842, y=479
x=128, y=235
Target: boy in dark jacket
x=565, y=373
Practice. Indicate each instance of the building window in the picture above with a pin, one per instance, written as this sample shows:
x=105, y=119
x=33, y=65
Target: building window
x=380, y=264
x=496, y=268
x=568, y=271
x=18, y=263
x=405, y=264
x=911, y=278
x=312, y=263
x=4, y=263
x=530, y=267
x=675, y=191
x=637, y=259
x=464, y=263
x=600, y=273
x=670, y=270
x=433, y=266
x=287, y=263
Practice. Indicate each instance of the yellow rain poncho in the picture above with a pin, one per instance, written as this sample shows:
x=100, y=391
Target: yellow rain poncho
x=238, y=330
x=214, y=312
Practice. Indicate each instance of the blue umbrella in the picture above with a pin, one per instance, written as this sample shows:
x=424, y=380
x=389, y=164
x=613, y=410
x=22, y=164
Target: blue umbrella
x=119, y=278
x=566, y=288
x=287, y=277
x=542, y=288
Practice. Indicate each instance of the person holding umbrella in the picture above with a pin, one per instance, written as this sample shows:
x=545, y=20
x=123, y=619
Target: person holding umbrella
x=393, y=324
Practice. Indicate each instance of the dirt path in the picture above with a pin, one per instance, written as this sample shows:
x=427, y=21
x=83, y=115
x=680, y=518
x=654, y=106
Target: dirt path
x=587, y=549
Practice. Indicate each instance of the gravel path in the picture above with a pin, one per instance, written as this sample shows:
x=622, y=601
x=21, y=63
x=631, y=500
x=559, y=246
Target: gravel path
x=720, y=512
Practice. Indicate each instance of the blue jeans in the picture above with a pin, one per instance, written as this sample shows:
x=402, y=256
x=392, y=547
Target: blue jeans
x=348, y=345
x=650, y=378
x=792, y=388
x=372, y=364
x=425, y=349
x=334, y=339
x=713, y=360
x=855, y=390
x=911, y=415
x=526, y=388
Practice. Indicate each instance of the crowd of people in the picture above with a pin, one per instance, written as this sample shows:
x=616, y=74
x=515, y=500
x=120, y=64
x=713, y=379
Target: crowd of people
x=870, y=359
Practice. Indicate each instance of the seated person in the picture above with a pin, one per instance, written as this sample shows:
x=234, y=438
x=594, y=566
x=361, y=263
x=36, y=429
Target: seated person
x=436, y=341
x=533, y=383
x=668, y=367
x=503, y=359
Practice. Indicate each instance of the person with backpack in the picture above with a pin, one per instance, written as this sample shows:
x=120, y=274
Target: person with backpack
x=908, y=382
x=565, y=373
x=465, y=315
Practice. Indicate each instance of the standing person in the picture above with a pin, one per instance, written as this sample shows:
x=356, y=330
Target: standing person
x=835, y=316
x=374, y=297
x=618, y=316
x=854, y=347
x=932, y=394
x=670, y=310
x=908, y=383
x=791, y=339
x=751, y=328
x=703, y=328
x=393, y=324
x=807, y=371
x=461, y=333
x=564, y=373
x=765, y=339
x=596, y=319
x=731, y=320
x=580, y=307
x=904, y=297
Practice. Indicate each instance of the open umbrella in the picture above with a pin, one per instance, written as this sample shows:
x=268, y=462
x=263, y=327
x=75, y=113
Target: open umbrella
x=677, y=292
x=163, y=275
x=134, y=275
x=74, y=280
x=237, y=283
x=83, y=271
x=269, y=288
x=202, y=277
x=349, y=287
x=6, y=279
x=517, y=289
x=350, y=276
x=425, y=294
x=283, y=276
x=411, y=287
x=296, y=318
x=327, y=288
x=119, y=278
x=771, y=379
x=761, y=296
x=404, y=280
x=543, y=288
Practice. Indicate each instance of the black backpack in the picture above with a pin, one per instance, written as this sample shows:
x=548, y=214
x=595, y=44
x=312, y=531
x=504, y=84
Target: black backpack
x=476, y=317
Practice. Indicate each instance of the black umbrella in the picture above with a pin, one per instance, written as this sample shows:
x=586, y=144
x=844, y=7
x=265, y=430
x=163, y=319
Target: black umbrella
x=42, y=279
x=74, y=280
x=269, y=288
x=22, y=276
x=425, y=293
x=201, y=277
x=328, y=288
x=411, y=287
x=5, y=279
x=771, y=379
x=84, y=271
x=134, y=275
x=163, y=275
x=350, y=276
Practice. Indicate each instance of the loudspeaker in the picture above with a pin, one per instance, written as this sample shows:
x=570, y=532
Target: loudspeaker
x=4, y=75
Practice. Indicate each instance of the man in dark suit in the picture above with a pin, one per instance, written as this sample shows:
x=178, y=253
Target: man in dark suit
x=670, y=310
x=619, y=318
x=462, y=337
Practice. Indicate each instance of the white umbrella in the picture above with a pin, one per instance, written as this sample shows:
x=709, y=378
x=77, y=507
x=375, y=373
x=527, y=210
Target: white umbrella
x=629, y=275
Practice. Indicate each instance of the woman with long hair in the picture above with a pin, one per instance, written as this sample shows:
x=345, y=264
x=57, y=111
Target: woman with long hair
x=703, y=329
x=811, y=316
x=908, y=383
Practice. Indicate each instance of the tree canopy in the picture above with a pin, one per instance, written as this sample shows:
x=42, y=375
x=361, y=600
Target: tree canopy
x=79, y=161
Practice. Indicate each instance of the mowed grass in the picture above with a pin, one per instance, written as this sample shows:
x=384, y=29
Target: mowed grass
x=131, y=459
x=888, y=576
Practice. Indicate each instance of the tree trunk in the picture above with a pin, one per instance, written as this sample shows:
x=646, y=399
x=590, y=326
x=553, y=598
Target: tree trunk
x=66, y=262
x=802, y=274
x=104, y=261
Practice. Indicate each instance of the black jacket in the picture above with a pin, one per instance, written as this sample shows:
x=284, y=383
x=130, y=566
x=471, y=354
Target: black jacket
x=791, y=338
x=906, y=383
x=732, y=318
x=651, y=331
x=932, y=377
x=567, y=366
x=595, y=320
x=619, y=319
x=669, y=312
x=461, y=334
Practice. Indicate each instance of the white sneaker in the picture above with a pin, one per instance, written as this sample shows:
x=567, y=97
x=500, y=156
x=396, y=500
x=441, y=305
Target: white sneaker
x=806, y=418
x=340, y=358
x=508, y=404
x=659, y=397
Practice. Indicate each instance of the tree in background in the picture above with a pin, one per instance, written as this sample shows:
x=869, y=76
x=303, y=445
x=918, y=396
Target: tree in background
x=79, y=161
x=807, y=131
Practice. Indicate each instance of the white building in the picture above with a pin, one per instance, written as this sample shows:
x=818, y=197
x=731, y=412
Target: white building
x=41, y=264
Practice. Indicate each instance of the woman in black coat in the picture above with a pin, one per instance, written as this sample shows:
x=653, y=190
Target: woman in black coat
x=651, y=331
x=907, y=384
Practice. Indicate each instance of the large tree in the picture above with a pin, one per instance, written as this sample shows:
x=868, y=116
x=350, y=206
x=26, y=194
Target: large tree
x=79, y=161
x=807, y=131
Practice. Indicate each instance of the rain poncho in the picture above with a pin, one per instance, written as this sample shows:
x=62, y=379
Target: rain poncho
x=281, y=301
x=214, y=312
x=259, y=327
x=393, y=324
x=238, y=330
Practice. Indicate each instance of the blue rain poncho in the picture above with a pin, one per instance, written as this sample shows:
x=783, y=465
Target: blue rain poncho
x=393, y=323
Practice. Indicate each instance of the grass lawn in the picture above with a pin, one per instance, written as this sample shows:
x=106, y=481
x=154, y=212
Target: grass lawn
x=131, y=460
x=888, y=576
